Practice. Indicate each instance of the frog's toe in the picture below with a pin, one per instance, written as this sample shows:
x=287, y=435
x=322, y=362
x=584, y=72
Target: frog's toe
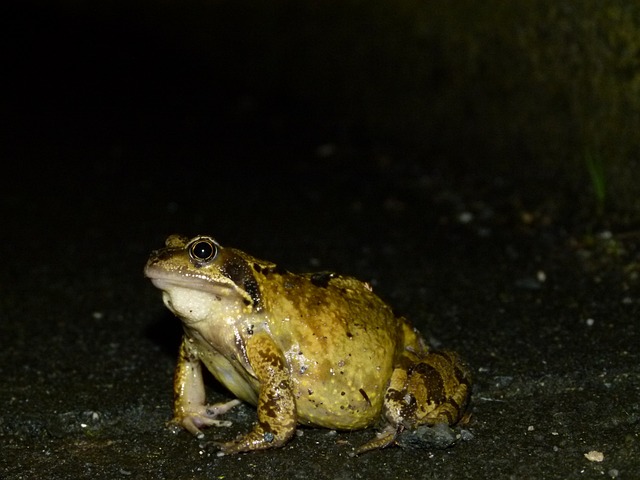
x=242, y=444
x=190, y=422
x=202, y=417
x=254, y=440
x=212, y=411
x=385, y=438
x=231, y=447
x=193, y=423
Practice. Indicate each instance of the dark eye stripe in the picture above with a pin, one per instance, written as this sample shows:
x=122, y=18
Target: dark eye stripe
x=237, y=270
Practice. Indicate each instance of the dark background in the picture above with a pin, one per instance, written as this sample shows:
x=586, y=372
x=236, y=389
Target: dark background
x=465, y=160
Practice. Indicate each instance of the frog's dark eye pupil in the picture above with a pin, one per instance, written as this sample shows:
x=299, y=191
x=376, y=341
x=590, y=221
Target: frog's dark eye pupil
x=203, y=251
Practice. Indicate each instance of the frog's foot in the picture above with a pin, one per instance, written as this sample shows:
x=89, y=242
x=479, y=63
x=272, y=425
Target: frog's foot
x=385, y=438
x=202, y=416
x=258, y=439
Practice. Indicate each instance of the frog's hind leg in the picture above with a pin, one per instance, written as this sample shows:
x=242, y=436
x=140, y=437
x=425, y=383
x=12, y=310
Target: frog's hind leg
x=440, y=383
x=426, y=390
x=436, y=391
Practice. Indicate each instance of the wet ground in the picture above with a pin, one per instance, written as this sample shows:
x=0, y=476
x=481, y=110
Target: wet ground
x=514, y=270
x=545, y=313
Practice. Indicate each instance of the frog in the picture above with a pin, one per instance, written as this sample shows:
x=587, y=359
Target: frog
x=311, y=349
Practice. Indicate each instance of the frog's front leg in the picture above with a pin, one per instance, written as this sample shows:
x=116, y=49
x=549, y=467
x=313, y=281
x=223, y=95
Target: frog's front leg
x=190, y=410
x=277, y=417
x=424, y=390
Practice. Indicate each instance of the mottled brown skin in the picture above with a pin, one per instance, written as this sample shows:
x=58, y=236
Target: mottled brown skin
x=316, y=349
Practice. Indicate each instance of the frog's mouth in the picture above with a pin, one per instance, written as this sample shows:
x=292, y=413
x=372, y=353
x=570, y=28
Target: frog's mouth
x=167, y=281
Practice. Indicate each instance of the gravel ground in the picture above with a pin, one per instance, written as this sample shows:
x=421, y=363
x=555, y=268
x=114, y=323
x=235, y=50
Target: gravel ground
x=545, y=314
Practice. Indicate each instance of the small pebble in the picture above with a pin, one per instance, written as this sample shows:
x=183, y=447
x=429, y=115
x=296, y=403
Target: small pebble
x=594, y=456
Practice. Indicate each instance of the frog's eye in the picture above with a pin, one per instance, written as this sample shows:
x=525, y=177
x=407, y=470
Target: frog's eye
x=203, y=251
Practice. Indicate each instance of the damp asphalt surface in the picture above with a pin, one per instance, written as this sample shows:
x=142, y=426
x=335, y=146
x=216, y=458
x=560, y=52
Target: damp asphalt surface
x=512, y=270
x=545, y=314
